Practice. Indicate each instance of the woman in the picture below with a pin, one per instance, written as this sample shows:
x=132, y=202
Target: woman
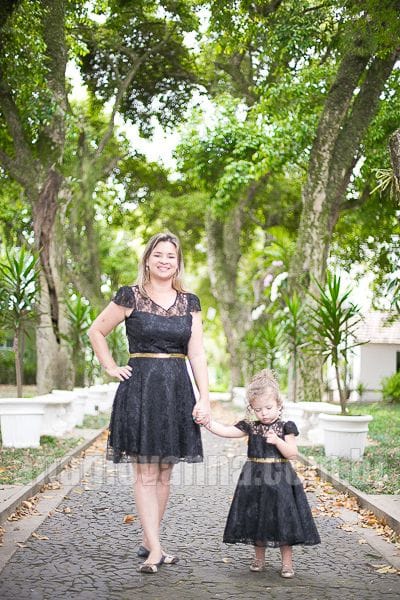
x=155, y=413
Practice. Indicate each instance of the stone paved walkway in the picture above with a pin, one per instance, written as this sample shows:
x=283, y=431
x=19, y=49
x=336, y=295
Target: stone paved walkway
x=89, y=552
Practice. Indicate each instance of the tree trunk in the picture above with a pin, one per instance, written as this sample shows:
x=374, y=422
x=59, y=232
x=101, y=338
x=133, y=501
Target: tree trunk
x=53, y=354
x=223, y=259
x=343, y=122
x=18, y=362
x=394, y=147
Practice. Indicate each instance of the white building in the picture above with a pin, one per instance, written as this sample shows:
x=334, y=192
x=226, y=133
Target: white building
x=378, y=357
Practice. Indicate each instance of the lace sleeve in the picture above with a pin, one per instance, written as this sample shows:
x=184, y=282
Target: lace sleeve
x=125, y=297
x=243, y=426
x=193, y=303
x=290, y=427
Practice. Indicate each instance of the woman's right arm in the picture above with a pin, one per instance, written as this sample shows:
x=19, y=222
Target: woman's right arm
x=228, y=431
x=107, y=320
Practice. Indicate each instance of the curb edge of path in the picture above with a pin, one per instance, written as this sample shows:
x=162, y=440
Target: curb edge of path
x=363, y=499
x=29, y=490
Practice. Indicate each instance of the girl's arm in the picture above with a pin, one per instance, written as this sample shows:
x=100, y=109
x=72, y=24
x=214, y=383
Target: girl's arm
x=287, y=446
x=198, y=363
x=228, y=431
x=107, y=320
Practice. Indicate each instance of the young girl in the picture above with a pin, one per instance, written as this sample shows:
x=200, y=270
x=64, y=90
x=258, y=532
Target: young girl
x=269, y=507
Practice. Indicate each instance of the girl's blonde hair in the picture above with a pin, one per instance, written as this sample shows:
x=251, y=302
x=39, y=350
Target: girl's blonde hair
x=262, y=383
x=143, y=274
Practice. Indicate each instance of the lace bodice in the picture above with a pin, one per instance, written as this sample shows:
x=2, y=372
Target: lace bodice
x=132, y=298
x=152, y=328
x=258, y=447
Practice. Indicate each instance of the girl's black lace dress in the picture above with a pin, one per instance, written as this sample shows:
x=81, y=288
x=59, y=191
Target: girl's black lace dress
x=269, y=507
x=151, y=419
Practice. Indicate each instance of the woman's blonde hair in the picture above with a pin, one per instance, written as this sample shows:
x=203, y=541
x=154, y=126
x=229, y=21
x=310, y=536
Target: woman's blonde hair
x=261, y=383
x=143, y=275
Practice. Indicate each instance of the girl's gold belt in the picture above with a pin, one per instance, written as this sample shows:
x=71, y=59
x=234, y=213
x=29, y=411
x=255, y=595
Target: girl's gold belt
x=156, y=355
x=268, y=460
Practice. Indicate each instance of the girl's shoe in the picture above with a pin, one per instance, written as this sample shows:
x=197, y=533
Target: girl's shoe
x=257, y=565
x=287, y=572
x=151, y=568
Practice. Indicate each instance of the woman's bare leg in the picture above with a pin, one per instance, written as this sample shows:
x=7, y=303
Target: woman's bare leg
x=147, y=503
x=163, y=486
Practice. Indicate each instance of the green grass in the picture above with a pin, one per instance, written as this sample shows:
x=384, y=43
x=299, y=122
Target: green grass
x=20, y=465
x=98, y=421
x=379, y=472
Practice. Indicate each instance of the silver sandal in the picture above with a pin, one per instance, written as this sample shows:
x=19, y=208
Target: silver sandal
x=257, y=565
x=287, y=572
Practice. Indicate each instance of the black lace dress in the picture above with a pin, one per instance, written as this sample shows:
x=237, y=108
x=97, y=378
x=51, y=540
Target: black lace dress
x=151, y=418
x=269, y=507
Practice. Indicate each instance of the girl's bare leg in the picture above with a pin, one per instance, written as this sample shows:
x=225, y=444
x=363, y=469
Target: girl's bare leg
x=260, y=553
x=287, y=556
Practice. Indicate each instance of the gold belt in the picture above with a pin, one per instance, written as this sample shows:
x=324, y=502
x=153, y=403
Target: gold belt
x=268, y=460
x=156, y=355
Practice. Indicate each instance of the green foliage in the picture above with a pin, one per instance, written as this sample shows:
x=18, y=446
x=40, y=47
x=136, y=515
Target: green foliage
x=294, y=337
x=141, y=44
x=98, y=421
x=19, y=280
x=333, y=323
x=391, y=388
x=21, y=465
x=263, y=344
x=80, y=316
x=378, y=472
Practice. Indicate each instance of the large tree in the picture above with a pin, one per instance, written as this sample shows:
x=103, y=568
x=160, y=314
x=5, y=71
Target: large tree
x=315, y=74
x=133, y=59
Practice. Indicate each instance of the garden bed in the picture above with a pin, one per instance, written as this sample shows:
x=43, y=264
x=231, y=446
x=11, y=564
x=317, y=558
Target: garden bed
x=19, y=466
x=379, y=472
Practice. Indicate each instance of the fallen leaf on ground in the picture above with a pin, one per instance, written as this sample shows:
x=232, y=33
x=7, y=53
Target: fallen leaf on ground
x=387, y=569
x=38, y=536
x=129, y=518
x=53, y=485
x=345, y=527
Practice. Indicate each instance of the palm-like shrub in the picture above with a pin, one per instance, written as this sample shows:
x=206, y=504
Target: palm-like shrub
x=334, y=320
x=80, y=318
x=391, y=388
x=19, y=283
x=294, y=337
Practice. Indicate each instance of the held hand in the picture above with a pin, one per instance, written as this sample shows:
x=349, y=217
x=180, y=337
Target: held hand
x=201, y=413
x=120, y=373
x=272, y=438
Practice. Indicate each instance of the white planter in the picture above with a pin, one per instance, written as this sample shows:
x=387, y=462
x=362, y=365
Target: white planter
x=55, y=420
x=93, y=401
x=105, y=399
x=345, y=436
x=111, y=391
x=239, y=397
x=312, y=427
x=293, y=411
x=71, y=413
x=79, y=404
x=21, y=421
